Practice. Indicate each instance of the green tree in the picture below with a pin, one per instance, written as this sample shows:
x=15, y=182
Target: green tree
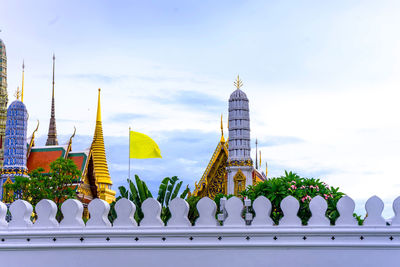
x=57, y=185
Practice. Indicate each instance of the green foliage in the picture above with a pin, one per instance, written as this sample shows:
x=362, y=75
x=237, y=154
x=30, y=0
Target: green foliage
x=57, y=185
x=193, y=213
x=138, y=192
x=303, y=189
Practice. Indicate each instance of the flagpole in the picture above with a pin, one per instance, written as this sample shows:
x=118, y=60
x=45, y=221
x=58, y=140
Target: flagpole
x=129, y=154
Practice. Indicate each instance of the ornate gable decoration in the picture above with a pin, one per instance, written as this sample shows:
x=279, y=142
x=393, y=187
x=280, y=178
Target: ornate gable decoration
x=213, y=180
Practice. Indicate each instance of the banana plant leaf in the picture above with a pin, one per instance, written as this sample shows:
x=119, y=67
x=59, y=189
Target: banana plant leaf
x=169, y=189
x=140, y=188
x=176, y=191
x=162, y=189
x=147, y=191
x=185, y=192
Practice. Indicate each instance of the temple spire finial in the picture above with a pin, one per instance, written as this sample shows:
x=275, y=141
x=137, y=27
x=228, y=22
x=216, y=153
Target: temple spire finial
x=222, y=131
x=52, y=135
x=256, y=154
x=98, y=117
x=238, y=83
x=54, y=63
x=17, y=93
x=23, y=74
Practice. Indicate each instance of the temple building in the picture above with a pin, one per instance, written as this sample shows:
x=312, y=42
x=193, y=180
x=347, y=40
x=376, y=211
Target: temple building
x=230, y=169
x=95, y=181
x=15, y=144
x=23, y=156
x=3, y=98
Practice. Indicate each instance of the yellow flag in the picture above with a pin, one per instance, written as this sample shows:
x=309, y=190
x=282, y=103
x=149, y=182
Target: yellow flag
x=142, y=146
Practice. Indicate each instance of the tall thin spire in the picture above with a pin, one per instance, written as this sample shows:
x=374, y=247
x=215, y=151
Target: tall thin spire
x=222, y=131
x=102, y=175
x=256, y=154
x=52, y=135
x=23, y=74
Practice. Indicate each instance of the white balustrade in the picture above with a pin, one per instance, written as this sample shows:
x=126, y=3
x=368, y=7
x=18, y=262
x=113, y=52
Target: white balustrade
x=374, y=208
x=125, y=210
x=21, y=212
x=345, y=207
x=98, y=210
x=151, y=209
x=234, y=209
x=318, y=207
x=179, y=209
x=207, y=209
x=72, y=211
x=262, y=207
x=290, y=207
x=46, y=211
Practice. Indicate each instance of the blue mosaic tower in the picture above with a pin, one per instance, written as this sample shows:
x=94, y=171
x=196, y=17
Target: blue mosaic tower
x=15, y=146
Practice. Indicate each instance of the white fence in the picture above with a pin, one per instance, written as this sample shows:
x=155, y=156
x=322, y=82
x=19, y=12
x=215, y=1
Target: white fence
x=99, y=243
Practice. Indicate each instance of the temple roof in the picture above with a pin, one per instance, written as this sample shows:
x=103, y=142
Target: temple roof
x=222, y=148
x=41, y=157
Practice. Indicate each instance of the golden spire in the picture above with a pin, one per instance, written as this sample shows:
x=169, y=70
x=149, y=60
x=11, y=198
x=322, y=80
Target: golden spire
x=98, y=117
x=256, y=154
x=23, y=74
x=260, y=158
x=102, y=175
x=222, y=131
x=266, y=169
x=238, y=83
x=17, y=93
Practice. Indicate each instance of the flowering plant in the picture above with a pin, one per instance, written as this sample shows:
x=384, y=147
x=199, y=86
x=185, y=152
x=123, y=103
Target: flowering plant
x=303, y=189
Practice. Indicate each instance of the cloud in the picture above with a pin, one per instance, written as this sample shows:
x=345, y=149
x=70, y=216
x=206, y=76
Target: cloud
x=98, y=78
x=278, y=140
x=125, y=117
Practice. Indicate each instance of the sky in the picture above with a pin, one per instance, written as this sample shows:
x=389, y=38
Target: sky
x=322, y=78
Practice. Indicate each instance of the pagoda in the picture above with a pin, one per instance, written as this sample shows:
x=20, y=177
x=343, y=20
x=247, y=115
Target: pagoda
x=230, y=169
x=15, y=145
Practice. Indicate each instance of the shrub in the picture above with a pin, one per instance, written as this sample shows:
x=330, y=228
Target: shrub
x=303, y=189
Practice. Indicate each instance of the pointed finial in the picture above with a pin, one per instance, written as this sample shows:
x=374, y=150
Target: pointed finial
x=266, y=169
x=17, y=93
x=238, y=83
x=222, y=131
x=98, y=118
x=256, y=154
x=54, y=63
x=260, y=158
x=23, y=74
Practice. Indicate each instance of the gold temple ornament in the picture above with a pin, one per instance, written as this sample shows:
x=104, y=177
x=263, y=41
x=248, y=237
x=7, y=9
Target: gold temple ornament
x=238, y=83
